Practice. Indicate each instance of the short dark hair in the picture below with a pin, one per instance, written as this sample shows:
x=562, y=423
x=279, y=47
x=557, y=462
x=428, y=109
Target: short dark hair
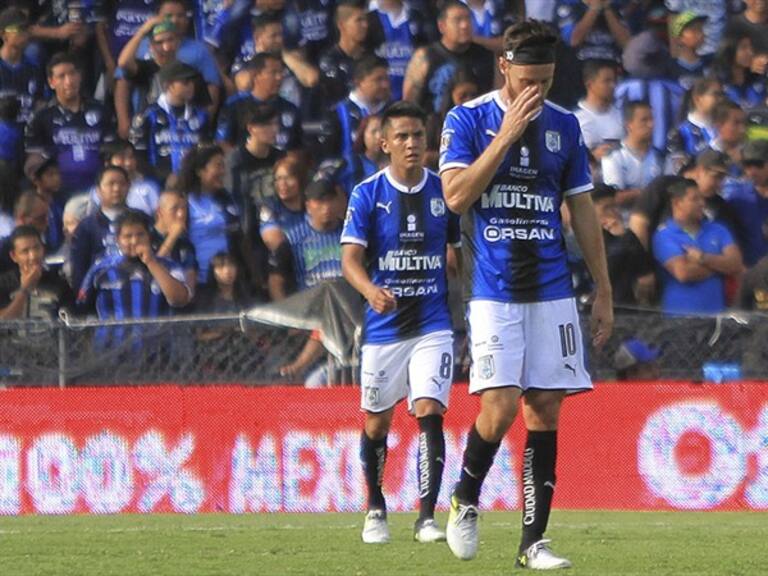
x=528, y=33
x=259, y=60
x=9, y=108
x=344, y=9
x=110, y=149
x=265, y=19
x=603, y=191
x=628, y=112
x=447, y=5
x=132, y=217
x=723, y=110
x=402, y=109
x=58, y=59
x=162, y=3
x=366, y=66
x=679, y=188
x=24, y=231
x=258, y=113
x=112, y=168
x=592, y=68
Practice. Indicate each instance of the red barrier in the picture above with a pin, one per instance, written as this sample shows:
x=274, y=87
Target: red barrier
x=234, y=449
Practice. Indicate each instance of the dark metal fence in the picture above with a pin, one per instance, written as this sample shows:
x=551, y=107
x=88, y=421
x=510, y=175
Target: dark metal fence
x=219, y=349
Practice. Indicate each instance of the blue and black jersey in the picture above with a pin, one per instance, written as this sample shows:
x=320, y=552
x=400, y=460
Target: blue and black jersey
x=342, y=123
x=491, y=20
x=122, y=288
x=689, y=138
x=308, y=24
x=73, y=138
x=512, y=235
x=395, y=39
x=405, y=232
x=231, y=126
x=183, y=251
x=94, y=238
x=164, y=134
x=23, y=81
x=124, y=18
x=274, y=214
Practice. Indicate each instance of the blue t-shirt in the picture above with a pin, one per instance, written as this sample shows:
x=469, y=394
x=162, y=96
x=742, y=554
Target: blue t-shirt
x=274, y=214
x=125, y=21
x=316, y=254
x=751, y=210
x=705, y=296
x=211, y=223
x=405, y=232
x=397, y=47
x=512, y=236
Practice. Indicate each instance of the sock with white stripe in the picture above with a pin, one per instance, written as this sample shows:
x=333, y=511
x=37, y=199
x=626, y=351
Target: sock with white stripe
x=539, y=459
x=478, y=458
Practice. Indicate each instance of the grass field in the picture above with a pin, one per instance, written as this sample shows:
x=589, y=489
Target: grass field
x=598, y=543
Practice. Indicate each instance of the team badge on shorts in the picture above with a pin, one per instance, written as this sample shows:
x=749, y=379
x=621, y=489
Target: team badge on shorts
x=371, y=395
x=552, y=140
x=437, y=207
x=486, y=367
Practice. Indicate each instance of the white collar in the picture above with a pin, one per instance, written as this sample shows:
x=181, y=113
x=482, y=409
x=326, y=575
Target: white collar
x=354, y=97
x=395, y=20
x=698, y=123
x=162, y=101
x=402, y=187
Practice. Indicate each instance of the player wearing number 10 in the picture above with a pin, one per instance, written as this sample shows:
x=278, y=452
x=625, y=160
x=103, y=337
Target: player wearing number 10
x=508, y=159
x=398, y=222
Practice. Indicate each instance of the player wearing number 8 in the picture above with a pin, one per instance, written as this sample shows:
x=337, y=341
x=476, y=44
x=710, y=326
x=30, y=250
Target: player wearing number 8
x=398, y=223
x=508, y=159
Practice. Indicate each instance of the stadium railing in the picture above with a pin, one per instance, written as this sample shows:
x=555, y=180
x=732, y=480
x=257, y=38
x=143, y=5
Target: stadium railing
x=206, y=349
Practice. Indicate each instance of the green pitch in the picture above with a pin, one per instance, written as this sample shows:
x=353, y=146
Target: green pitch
x=598, y=543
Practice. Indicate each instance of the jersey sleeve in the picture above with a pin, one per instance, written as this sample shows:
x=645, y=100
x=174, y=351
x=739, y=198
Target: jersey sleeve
x=724, y=236
x=454, y=229
x=665, y=247
x=456, y=140
x=576, y=177
x=357, y=223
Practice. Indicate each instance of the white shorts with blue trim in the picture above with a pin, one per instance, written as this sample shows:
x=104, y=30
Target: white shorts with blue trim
x=536, y=345
x=420, y=367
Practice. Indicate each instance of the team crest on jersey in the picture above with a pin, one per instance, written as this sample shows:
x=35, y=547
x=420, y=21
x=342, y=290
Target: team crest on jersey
x=287, y=119
x=437, y=207
x=372, y=395
x=92, y=117
x=194, y=123
x=525, y=157
x=552, y=141
x=445, y=140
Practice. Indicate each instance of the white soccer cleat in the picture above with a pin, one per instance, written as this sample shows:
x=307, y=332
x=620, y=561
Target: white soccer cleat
x=538, y=556
x=375, y=529
x=461, y=530
x=427, y=530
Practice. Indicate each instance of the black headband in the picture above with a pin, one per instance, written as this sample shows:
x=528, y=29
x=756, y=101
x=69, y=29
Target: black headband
x=531, y=54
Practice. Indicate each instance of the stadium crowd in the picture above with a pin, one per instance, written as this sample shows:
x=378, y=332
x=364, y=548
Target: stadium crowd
x=198, y=156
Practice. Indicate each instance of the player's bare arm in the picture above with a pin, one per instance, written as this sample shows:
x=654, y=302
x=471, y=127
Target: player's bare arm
x=589, y=235
x=352, y=258
x=415, y=75
x=463, y=186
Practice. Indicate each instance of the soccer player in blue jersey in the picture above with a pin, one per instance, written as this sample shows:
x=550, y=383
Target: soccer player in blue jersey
x=508, y=160
x=398, y=222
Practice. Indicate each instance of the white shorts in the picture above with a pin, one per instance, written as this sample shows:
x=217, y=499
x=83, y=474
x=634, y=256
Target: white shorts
x=420, y=367
x=535, y=345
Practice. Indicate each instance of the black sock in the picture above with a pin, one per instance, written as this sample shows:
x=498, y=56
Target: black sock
x=478, y=458
x=539, y=460
x=430, y=463
x=373, y=455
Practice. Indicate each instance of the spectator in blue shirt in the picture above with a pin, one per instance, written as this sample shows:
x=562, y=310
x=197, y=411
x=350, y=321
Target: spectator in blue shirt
x=695, y=255
x=733, y=66
x=285, y=210
x=312, y=253
x=167, y=129
x=71, y=127
x=95, y=235
x=18, y=77
x=749, y=200
x=697, y=130
x=687, y=32
x=133, y=282
x=594, y=28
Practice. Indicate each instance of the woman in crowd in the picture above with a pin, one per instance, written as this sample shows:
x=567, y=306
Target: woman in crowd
x=285, y=210
x=735, y=65
x=368, y=157
x=696, y=131
x=226, y=289
x=214, y=220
